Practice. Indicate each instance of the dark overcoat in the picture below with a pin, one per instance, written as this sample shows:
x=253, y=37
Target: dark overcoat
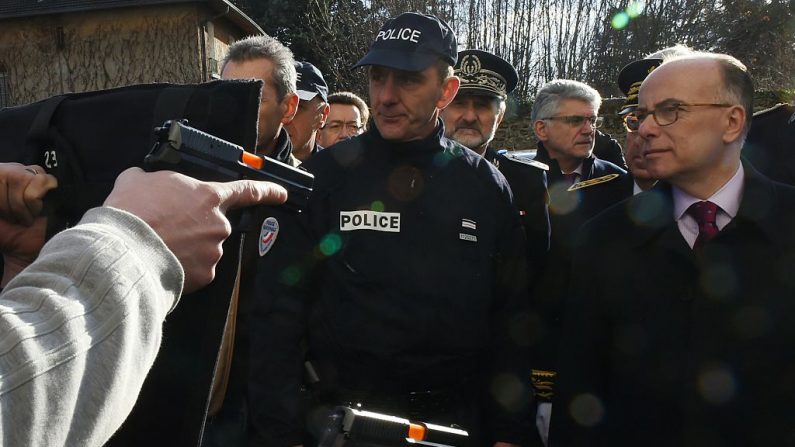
x=666, y=346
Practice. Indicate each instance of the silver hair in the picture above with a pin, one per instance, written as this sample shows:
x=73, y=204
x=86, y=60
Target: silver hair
x=266, y=47
x=547, y=101
x=670, y=52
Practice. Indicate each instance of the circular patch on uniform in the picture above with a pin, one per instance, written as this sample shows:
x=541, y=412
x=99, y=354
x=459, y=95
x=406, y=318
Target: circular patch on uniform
x=267, y=235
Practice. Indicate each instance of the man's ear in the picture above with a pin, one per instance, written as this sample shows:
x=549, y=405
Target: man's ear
x=449, y=90
x=735, y=124
x=289, y=107
x=501, y=115
x=540, y=129
x=324, y=114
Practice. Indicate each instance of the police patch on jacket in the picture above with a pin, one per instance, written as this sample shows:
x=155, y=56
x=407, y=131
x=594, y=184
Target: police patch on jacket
x=268, y=234
x=369, y=220
x=468, y=226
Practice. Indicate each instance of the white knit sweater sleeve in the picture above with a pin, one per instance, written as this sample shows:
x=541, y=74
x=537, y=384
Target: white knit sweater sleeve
x=80, y=328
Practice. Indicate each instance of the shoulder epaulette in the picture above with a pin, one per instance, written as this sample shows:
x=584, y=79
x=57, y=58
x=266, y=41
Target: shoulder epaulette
x=527, y=161
x=773, y=109
x=593, y=181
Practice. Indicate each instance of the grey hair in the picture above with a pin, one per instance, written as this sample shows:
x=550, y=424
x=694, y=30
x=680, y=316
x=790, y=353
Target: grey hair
x=547, y=101
x=266, y=47
x=671, y=52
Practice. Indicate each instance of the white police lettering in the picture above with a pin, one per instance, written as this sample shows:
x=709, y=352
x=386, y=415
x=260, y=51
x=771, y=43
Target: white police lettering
x=412, y=35
x=369, y=220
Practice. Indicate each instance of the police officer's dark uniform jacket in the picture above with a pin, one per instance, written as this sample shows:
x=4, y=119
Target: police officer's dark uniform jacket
x=770, y=145
x=528, y=182
x=568, y=210
x=405, y=274
x=228, y=426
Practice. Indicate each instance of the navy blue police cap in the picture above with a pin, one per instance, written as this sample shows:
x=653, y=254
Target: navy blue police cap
x=483, y=73
x=412, y=42
x=631, y=77
x=310, y=82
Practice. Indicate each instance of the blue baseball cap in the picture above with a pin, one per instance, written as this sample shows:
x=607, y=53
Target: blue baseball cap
x=412, y=42
x=310, y=82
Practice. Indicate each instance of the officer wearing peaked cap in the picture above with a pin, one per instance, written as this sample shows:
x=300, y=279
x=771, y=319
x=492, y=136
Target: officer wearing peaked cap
x=629, y=80
x=472, y=120
x=405, y=275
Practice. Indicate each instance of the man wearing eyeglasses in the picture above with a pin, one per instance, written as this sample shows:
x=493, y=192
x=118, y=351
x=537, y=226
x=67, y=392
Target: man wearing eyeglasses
x=682, y=332
x=565, y=118
x=629, y=80
x=347, y=118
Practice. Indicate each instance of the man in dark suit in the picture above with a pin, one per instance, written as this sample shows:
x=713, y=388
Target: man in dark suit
x=472, y=119
x=681, y=334
x=565, y=118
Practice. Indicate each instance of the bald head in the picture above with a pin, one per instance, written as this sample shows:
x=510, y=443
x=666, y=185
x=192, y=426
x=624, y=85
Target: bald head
x=734, y=84
x=694, y=112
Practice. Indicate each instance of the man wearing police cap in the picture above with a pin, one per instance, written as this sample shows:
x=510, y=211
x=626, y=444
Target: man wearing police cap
x=472, y=120
x=313, y=110
x=405, y=275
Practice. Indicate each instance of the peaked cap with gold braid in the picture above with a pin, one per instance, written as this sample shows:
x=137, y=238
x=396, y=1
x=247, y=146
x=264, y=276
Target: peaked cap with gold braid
x=630, y=78
x=483, y=73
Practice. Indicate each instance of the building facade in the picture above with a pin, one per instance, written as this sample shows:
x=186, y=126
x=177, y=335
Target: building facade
x=51, y=47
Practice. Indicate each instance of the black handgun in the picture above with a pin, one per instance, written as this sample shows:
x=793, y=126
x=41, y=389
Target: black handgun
x=198, y=154
x=351, y=424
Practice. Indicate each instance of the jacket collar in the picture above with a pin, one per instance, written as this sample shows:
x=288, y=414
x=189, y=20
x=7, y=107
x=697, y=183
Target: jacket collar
x=436, y=141
x=554, y=173
x=283, y=148
x=652, y=211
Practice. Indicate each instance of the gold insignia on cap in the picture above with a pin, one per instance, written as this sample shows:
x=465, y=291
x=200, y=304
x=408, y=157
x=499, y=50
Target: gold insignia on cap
x=470, y=65
x=474, y=76
x=593, y=181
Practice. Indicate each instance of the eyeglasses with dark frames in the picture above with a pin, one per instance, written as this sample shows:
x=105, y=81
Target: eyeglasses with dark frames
x=337, y=126
x=577, y=121
x=664, y=115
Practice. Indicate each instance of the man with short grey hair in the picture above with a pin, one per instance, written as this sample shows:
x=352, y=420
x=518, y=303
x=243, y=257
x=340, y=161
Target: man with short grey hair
x=266, y=59
x=565, y=117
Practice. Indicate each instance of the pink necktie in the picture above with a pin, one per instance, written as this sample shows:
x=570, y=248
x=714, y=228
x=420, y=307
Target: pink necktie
x=704, y=213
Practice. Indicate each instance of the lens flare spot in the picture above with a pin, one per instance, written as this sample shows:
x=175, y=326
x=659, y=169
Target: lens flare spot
x=650, y=212
x=635, y=9
x=561, y=200
x=752, y=322
x=291, y=275
x=377, y=206
x=587, y=410
x=719, y=281
x=508, y=390
x=717, y=384
x=620, y=20
x=330, y=244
